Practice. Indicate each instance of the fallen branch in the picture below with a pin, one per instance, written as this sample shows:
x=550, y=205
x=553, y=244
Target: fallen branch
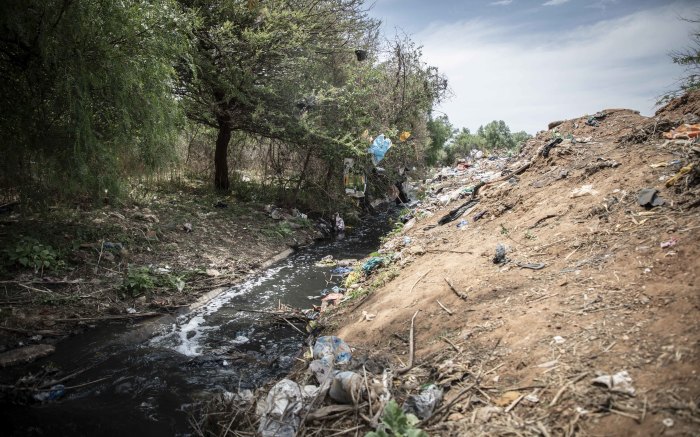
x=458, y=293
x=118, y=317
x=418, y=280
x=565, y=386
x=539, y=222
x=444, y=307
x=411, y=348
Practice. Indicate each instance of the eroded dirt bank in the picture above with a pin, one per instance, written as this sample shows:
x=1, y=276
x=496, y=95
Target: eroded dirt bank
x=594, y=283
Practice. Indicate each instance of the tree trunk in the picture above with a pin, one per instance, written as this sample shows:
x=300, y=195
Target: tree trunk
x=221, y=181
x=302, y=176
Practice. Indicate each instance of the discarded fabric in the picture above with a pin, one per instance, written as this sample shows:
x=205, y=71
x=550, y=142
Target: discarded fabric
x=549, y=146
x=372, y=263
x=457, y=212
x=423, y=404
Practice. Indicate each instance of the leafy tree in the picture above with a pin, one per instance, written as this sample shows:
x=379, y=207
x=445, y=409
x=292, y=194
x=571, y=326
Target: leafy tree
x=441, y=131
x=255, y=64
x=690, y=59
x=86, y=96
x=497, y=135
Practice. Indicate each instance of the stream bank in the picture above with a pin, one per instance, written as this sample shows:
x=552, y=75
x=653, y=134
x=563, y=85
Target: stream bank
x=124, y=386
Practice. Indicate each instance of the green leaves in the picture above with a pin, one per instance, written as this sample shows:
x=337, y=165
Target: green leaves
x=396, y=423
x=30, y=253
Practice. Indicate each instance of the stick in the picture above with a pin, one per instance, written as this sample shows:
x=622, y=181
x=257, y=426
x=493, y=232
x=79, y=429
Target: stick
x=118, y=317
x=87, y=383
x=514, y=403
x=538, y=222
x=567, y=385
x=454, y=346
x=452, y=287
x=411, y=349
x=443, y=307
x=448, y=251
x=292, y=325
x=419, y=279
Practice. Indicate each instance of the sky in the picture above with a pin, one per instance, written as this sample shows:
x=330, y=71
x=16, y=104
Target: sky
x=530, y=62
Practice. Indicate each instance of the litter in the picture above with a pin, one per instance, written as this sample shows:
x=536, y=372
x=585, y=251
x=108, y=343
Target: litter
x=549, y=146
x=372, y=264
x=328, y=352
x=558, y=339
x=670, y=243
x=462, y=224
x=479, y=215
x=346, y=388
x=682, y=172
x=620, y=382
x=341, y=271
x=585, y=190
x=354, y=180
x=423, y=404
x=684, y=131
x=404, y=136
x=379, y=147
x=500, y=257
x=457, y=212
x=339, y=223
x=279, y=412
x=648, y=198
x=55, y=392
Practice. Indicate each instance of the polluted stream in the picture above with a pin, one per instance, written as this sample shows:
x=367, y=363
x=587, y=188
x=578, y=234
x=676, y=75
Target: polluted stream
x=125, y=386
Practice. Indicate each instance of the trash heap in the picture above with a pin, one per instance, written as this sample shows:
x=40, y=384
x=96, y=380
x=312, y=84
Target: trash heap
x=334, y=385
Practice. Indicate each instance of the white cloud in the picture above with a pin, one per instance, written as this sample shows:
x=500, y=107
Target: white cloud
x=501, y=3
x=498, y=72
x=555, y=2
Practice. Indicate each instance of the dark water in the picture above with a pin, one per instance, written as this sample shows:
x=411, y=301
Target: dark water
x=149, y=385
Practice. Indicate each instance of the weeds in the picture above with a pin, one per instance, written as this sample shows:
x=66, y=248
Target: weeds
x=30, y=253
x=396, y=423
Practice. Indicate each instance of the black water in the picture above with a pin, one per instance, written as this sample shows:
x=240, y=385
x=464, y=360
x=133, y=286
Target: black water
x=147, y=387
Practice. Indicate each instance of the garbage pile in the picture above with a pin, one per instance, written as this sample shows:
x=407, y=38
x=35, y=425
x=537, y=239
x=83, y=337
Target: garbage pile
x=334, y=385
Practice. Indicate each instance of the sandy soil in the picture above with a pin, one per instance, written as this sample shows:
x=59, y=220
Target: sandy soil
x=612, y=297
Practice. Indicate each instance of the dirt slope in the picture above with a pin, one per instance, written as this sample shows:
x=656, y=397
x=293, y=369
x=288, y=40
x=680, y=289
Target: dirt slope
x=610, y=298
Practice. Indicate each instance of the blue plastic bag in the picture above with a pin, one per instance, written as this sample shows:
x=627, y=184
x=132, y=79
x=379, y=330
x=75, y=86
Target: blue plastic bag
x=379, y=147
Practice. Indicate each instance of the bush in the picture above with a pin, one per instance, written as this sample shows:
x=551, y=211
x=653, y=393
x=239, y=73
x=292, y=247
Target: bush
x=30, y=253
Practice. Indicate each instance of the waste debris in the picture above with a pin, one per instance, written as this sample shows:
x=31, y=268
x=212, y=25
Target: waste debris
x=620, y=382
x=648, y=198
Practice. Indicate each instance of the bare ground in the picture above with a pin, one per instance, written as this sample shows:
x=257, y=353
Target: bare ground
x=612, y=296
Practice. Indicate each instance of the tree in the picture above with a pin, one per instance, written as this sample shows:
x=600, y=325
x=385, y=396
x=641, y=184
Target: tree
x=441, y=131
x=86, y=96
x=253, y=61
x=690, y=59
x=496, y=135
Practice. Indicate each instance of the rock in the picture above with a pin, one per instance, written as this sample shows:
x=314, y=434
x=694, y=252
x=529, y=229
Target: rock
x=554, y=124
x=25, y=354
x=416, y=250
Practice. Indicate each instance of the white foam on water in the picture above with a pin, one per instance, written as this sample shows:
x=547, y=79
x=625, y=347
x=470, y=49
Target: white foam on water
x=186, y=335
